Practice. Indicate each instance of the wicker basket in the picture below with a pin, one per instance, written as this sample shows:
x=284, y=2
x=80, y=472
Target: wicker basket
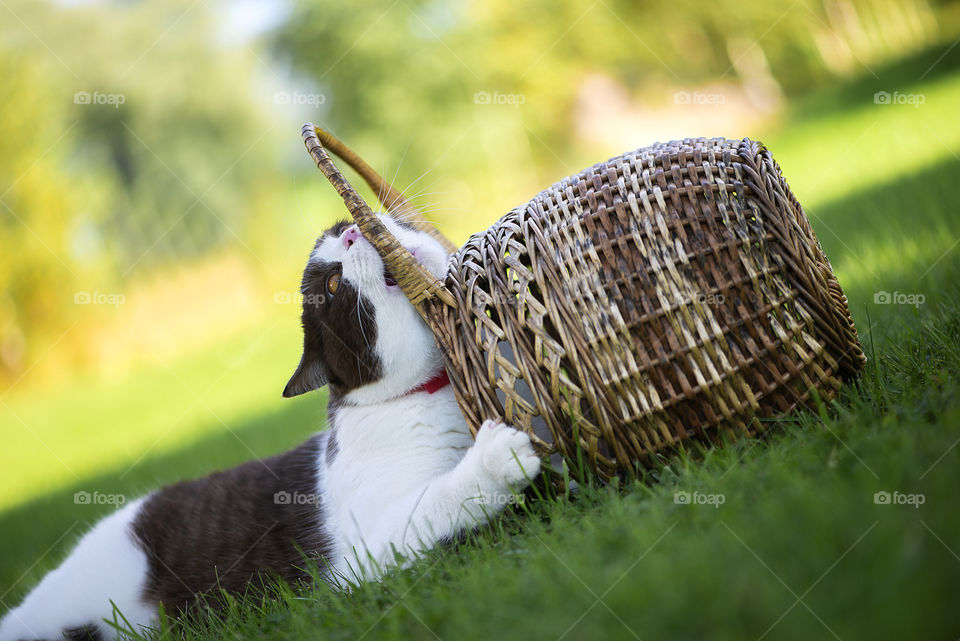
x=675, y=292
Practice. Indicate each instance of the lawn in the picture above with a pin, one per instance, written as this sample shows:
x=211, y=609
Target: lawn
x=800, y=547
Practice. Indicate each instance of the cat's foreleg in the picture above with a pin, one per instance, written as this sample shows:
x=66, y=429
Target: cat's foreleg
x=500, y=463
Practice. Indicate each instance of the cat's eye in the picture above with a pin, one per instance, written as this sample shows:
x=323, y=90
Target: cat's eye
x=333, y=283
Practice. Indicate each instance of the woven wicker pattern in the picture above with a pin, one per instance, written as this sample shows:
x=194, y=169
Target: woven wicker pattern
x=675, y=292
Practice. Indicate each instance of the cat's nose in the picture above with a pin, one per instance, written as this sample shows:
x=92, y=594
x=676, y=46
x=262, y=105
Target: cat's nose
x=350, y=236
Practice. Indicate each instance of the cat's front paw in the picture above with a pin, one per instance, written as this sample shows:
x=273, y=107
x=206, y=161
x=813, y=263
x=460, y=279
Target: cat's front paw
x=506, y=455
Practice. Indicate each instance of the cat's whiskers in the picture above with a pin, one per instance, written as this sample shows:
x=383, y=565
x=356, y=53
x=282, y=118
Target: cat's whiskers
x=366, y=341
x=400, y=164
x=406, y=215
x=411, y=211
x=411, y=199
x=416, y=180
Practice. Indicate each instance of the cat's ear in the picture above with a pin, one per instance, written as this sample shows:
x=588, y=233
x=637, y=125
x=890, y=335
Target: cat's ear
x=310, y=375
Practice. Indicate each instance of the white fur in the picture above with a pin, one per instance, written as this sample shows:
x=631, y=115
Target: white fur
x=406, y=474
x=106, y=565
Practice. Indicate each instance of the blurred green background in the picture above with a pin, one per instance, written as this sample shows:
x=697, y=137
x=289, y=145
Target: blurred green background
x=157, y=205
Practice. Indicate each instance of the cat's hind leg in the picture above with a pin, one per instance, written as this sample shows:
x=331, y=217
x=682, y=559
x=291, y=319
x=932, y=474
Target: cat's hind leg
x=73, y=600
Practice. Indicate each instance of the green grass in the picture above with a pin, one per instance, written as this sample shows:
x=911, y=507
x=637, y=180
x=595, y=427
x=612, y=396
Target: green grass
x=841, y=140
x=161, y=408
x=798, y=518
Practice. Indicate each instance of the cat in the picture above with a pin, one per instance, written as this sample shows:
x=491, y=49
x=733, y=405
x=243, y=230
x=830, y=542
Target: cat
x=396, y=471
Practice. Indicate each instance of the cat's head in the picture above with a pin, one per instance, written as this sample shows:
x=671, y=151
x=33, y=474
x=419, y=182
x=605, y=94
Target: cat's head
x=361, y=335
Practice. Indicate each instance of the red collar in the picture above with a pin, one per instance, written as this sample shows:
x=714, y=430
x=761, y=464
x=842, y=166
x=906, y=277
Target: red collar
x=434, y=384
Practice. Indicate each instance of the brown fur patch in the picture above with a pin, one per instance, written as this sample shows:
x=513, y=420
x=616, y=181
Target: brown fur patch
x=231, y=528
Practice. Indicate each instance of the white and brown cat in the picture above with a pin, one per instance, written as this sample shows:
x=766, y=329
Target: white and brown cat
x=396, y=470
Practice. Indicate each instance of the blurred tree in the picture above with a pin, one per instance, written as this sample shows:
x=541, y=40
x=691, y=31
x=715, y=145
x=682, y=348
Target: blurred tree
x=182, y=144
x=130, y=136
x=386, y=65
x=34, y=207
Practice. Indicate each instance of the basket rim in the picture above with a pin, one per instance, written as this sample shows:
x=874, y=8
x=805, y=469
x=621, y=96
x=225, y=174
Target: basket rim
x=417, y=283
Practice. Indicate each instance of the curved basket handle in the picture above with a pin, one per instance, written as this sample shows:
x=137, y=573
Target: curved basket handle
x=390, y=198
x=417, y=283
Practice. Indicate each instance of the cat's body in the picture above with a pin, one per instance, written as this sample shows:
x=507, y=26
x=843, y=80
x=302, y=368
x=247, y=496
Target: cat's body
x=396, y=472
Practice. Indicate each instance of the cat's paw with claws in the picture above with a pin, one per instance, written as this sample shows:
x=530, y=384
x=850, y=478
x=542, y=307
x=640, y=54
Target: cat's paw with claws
x=506, y=455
